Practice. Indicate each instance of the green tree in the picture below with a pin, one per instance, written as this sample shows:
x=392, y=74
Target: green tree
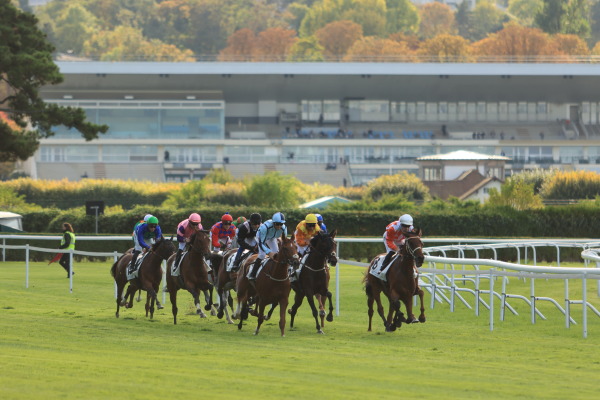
x=190, y=195
x=550, y=17
x=576, y=19
x=401, y=16
x=515, y=194
x=26, y=65
x=403, y=183
x=525, y=10
x=273, y=190
x=485, y=18
x=306, y=49
x=219, y=175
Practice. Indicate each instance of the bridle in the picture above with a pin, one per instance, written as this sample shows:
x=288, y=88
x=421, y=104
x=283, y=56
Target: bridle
x=154, y=251
x=289, y=261
x=194, y=248
x=409, y=249
x=324, y=254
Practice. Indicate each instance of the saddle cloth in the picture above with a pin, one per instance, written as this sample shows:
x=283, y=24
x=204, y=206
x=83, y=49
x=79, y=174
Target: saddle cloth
x=133, y=273
x=262, y=264
x=175, y=267
x=378, y=270
x=229, y=267
x=295, y=273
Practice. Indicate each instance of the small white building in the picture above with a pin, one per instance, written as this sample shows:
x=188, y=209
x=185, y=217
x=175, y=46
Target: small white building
x=12, y=221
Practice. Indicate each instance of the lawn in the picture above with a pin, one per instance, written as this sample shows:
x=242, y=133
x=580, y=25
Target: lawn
x=60, y=345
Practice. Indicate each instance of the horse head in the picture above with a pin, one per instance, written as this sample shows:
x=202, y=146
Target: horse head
x=414, y=246
x=323, y=243
x=164, y=247
x=288, y=254
x=200, y=242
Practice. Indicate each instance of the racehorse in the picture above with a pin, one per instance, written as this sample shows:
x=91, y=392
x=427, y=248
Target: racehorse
x=193, y=274
x=272, y=284
x=149, y=275
x=313, y=277
x=401, y=285
x=225, y=282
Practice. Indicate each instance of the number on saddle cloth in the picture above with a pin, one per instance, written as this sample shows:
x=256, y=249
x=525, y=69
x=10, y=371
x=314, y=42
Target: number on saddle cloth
x=231, y=267
x=379, y=270
x=295, y=273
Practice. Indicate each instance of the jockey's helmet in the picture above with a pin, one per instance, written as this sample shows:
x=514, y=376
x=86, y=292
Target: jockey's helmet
x=319, y=217
x=147, y=217
x=406, y=220
x=152, y=221
x=279, y=218
x=255, y=219
x=226, y=218
x=195, y=217
x=239, y=221
x=311, y=219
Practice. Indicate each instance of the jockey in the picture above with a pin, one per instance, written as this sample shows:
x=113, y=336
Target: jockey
x=267, y=236
x=148, y=228
x=222, y=232
x=321, y=223
x=185, y=230
x=239, y=221
x=246, y=237
x=394, y=235
x=146, y=217
x=305, y=230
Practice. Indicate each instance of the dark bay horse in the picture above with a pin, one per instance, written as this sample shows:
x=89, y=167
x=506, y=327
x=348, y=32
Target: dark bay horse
x=401, y=285
x=313, y=279
x=194, y=273
x=149, y=275
x=225, y=283
x=272, y=284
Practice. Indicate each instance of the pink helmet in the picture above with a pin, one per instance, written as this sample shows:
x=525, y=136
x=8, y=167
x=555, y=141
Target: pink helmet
x=195, y=218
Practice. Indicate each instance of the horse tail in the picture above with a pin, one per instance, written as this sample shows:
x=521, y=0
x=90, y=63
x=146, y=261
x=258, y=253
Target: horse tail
x=113, y=269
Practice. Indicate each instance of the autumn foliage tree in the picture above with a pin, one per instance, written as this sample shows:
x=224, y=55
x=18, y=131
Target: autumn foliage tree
x=436, y=19
x=518, y=41
x=371, y=48
x=337, y=37
x=446, y=48
x=274, y=44
x=240, y=46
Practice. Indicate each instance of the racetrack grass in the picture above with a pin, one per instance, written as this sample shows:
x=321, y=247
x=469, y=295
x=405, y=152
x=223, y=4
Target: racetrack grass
x=56, y=344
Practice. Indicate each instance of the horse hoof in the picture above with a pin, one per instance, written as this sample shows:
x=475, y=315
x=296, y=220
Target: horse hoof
x=320, y=332
x=290, y=311
x=207, y=307
x=160, y=307
x=321, y=313
x=266, y=318
x=220, y=314
x=422, y=320
x=329, y=318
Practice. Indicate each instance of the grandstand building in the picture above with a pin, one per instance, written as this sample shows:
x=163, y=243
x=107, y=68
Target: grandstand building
x=329, y=122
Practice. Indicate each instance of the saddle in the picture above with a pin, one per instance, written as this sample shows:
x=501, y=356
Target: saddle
x=231, y=267
x=295, y=273
x=378, y=270
x=175, y=270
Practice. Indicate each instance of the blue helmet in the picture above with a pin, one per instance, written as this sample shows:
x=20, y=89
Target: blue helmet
x=279, y=218
x=319, y=217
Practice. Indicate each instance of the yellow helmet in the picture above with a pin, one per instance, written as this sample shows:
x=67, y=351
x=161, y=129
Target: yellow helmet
x=311, y=219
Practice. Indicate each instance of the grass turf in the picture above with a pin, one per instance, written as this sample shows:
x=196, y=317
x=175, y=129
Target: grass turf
x=60, y=345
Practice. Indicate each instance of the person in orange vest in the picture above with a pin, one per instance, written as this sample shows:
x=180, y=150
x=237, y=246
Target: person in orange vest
x=305, y=230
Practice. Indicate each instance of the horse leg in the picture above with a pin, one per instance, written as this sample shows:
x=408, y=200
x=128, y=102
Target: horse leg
x=196, y=296
x=173, y=297
x=330, y=314
x=227, y=317
x=298, y=298
x=150, y=298
x=221, y=296
x=283, y=303
x=321, y=308
x=139, y=297
x=261, y=316
x=391, y=325
x=120, y=288
x=268, y=317
x=209, y=305
x=315, y=312
x=243, y=313
x=422, y=318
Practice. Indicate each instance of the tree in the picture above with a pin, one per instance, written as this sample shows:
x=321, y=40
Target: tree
x=525, y=10
x=401, y=16
x=436, y=19
x=371, y=48
x=515, y=194
x=273, y=190
x=517, y=41
x=446, y=48
x=337, y=37
x=240, y=46
x=274, y=44
x=550, y=17
x=306, y=49
x=576, y=18
x=189, y=195
x=571, y=45
x=403, y=183
x=26, y=65
x=485, y=18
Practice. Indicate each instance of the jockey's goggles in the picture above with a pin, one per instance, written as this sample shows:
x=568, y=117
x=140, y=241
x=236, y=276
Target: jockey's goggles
x=311, y=225
x=151, y=225
x=226, y=222
x=277, y=223
x=405, y=226
x=194, y=223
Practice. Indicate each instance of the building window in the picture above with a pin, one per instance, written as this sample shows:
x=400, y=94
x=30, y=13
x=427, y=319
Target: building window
x=432, y=174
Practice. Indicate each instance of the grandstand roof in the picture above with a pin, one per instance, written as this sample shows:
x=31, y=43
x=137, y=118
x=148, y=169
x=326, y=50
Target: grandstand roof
x=462, y=155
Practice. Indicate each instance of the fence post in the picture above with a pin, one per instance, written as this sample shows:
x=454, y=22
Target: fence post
x=27, y=266
x=492, y=299
x=70, y=272
x=3, y=249
x=567, y=305
x=584, y=303
x=532, y=296
x=337, y=282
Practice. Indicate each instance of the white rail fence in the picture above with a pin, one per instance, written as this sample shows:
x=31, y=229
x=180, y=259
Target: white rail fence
x=442, y=277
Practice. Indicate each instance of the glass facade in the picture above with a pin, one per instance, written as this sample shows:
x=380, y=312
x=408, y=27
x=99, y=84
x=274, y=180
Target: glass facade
x=152, y=119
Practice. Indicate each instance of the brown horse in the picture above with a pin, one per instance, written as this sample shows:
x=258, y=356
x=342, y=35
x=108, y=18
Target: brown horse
x=225, y=283
x=401, y=284
x=272, y=284
x=193, y=273
x=313, y=279
x=149, y=275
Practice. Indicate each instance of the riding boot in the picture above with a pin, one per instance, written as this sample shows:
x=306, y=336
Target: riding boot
x=178, y=257
x=133, y=260
x=238, y=257
x=387, y=259
x=255, y=267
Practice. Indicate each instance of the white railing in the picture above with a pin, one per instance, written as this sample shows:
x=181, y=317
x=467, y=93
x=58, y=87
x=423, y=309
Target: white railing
x=442, y=282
